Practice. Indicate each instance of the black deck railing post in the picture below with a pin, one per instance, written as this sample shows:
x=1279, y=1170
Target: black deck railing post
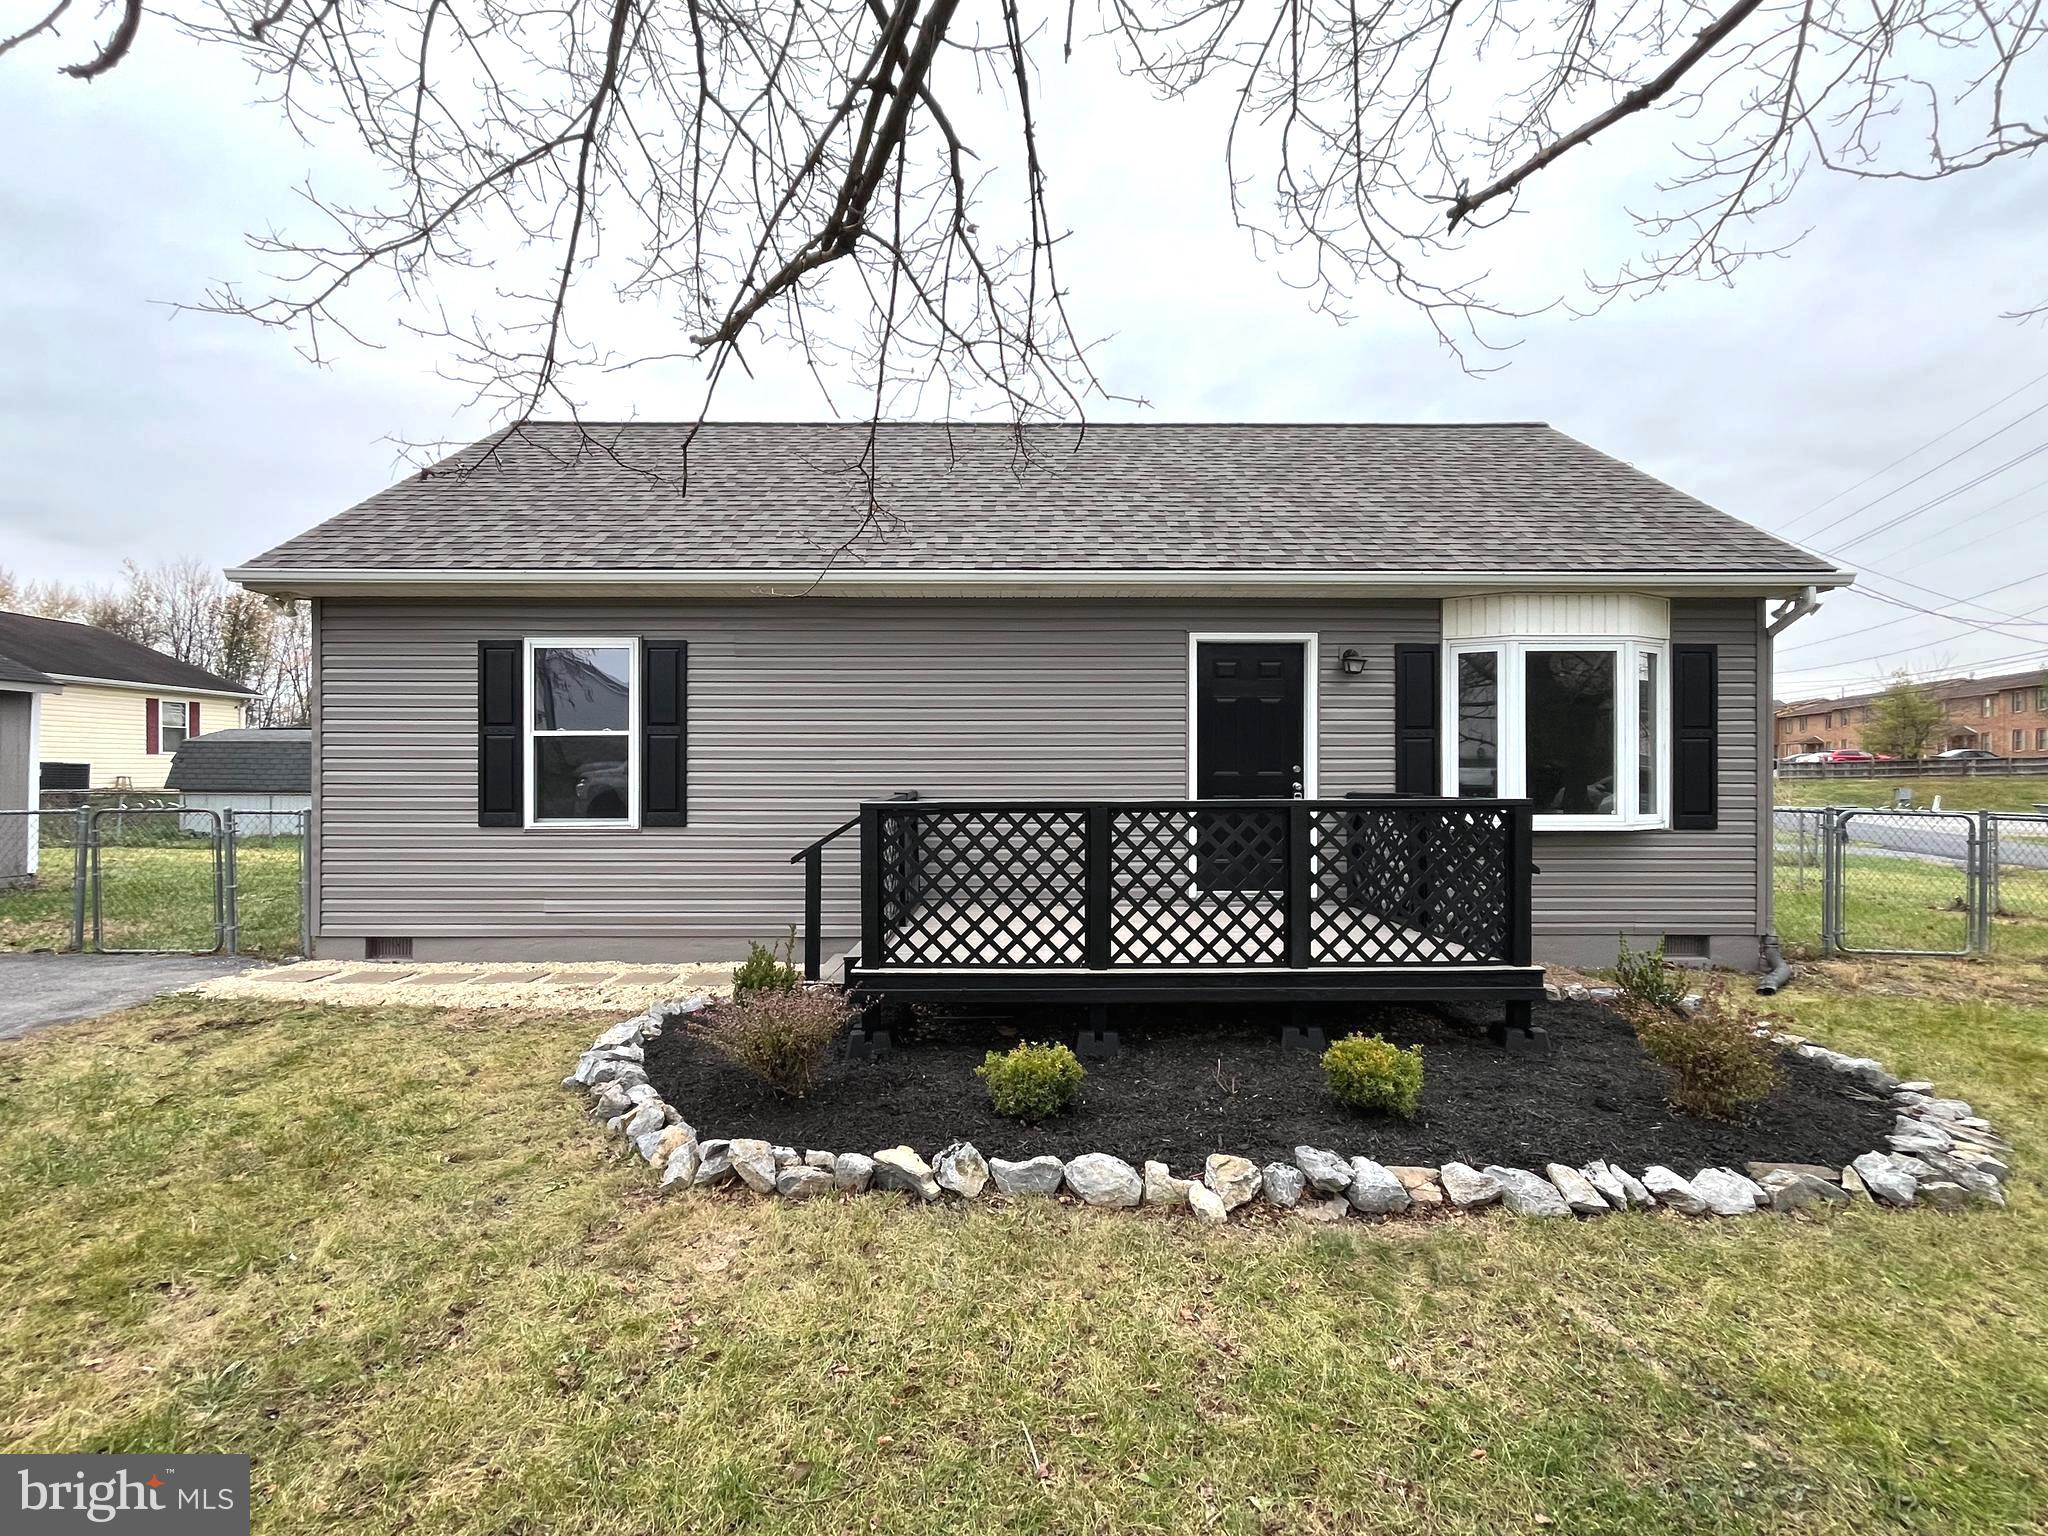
x=1300, y=886
x=1096, y=886
x=871, y=885
x=814, y=908
x=1521, y=869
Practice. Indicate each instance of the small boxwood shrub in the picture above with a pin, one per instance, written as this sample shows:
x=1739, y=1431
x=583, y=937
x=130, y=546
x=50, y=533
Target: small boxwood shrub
x=779, y=1036
x=1646, y=980
x=1029, y=1082
x=1367, y=1073
x=1718, y=1056
x=765, y=971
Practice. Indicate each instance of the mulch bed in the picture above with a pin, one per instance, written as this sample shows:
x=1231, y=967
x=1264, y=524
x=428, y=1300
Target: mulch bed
x=1192, y=1082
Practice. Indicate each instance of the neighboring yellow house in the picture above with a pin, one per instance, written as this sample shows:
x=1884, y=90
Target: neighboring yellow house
x=122, y=709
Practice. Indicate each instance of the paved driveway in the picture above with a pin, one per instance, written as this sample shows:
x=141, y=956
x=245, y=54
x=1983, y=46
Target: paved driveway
x=53, y=989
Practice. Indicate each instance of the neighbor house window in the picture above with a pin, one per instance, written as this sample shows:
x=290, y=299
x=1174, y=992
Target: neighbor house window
x=582, y=751
x=172, y=721
x=1578, y=727
x=2019, y=741
x=2041, y=738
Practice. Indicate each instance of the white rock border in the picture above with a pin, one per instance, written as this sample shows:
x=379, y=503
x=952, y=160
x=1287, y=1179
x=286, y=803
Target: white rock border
x=1940, y=1153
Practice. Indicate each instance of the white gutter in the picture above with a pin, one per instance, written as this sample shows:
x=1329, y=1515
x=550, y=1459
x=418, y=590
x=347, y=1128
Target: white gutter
x=168, y=690
x=343, y=581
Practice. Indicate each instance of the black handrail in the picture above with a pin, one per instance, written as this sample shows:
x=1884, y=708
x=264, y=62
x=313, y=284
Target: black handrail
x=812, y=857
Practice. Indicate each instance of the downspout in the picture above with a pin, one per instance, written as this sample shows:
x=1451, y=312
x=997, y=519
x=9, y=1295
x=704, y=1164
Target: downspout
x=1793, y=611
x=1777, y=970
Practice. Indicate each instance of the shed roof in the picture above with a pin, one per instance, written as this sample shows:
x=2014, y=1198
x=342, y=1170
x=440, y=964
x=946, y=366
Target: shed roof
x=63, y=648
x=778, y=499
x=269, y=762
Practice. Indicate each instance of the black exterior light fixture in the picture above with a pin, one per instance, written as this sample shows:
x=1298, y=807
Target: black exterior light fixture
x=1352, y=661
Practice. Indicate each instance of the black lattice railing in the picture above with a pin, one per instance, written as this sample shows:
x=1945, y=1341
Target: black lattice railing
x=1257, y=884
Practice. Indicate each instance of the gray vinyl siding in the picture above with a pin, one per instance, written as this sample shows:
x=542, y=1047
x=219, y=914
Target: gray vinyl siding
x=800, y=708
x=1597, y=885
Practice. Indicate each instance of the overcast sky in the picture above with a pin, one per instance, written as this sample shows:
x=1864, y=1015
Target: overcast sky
x=128, y=431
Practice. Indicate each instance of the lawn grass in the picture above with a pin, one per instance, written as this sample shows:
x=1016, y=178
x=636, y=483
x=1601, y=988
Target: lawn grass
x=382, y=1253
x=1980, y=792
x=160, y=896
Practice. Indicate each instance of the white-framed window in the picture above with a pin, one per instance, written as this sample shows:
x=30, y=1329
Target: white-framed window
x=1578, y=725
x=582, y=748
x=173, y=724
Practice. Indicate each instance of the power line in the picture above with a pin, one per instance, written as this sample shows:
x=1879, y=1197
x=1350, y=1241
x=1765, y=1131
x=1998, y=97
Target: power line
x=1807, y=645
x=2003, y=501
x=1949, y=495
x=1915, y=453
x=1930, y=470
x=2018, y=658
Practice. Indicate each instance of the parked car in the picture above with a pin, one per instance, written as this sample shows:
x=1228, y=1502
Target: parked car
x=1967, y=755
x=1805, y=759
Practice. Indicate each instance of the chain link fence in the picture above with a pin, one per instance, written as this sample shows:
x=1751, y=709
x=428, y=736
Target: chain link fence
x=1852, y=880
x=153, y=877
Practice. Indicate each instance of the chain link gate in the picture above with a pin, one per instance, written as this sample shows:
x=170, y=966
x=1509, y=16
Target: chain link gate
x=1859, y=880
x=154, y=879
x=1903, y=883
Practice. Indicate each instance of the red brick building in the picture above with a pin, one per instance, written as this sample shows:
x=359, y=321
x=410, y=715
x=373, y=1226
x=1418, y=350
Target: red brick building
x=2003, y=714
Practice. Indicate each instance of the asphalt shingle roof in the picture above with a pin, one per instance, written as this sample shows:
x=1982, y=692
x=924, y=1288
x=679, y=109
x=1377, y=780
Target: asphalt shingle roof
x=273, y=762
x=747, y=496
x=12, y=671
x=65, y=649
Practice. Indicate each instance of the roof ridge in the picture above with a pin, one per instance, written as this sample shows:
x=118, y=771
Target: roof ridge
x=1035, y=426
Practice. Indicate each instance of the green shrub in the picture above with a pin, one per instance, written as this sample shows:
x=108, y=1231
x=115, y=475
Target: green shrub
x=1718, y=1056
x=779, y=1036
x=1029, y=1082
x=1367, y=1073
x=766, y=971
x=1646, y=980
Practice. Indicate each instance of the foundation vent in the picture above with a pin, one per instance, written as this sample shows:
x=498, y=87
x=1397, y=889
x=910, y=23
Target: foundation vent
x=387, y=949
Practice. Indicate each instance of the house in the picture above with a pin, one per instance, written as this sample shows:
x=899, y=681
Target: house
x=595, y=692
x=245, y=770
x=121, y=711
x=2006, y=714
x=23, y=691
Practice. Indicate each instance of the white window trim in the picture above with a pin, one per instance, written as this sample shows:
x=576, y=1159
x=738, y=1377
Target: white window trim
x=1311, y=676
x=184, y=708
x=527, y=733
x=1511, y=739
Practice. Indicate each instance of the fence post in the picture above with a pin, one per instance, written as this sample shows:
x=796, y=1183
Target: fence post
x=79, y=876
x=1096, y=889
x=231, y=912
x=1831, y=834
x=305, y=818
x=1987, y=880
x=1300, y=888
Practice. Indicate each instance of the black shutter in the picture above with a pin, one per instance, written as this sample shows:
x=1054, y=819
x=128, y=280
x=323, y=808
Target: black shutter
x=1415, y=720
x=500, y=787
x=1695, y=737
x=664, y=731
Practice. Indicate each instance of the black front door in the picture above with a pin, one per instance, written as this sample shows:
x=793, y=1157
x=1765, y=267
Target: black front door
x=1248, y=745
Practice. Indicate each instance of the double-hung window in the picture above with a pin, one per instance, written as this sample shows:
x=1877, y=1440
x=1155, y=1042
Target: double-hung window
x=173, y=724
x=582, y=751
x=1575, y=723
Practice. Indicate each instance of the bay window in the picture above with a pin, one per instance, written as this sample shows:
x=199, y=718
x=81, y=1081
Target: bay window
x=582, y=751
x=1575, y=725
